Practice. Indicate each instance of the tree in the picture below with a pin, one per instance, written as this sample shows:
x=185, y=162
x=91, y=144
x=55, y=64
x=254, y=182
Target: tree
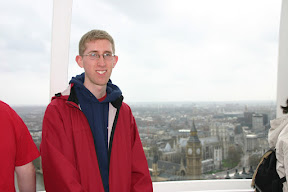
x=254, y=159
x=234, y=155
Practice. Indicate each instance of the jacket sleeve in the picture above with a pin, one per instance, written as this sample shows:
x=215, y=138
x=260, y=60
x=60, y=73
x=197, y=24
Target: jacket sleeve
x=284, y=152
x=141, y=180
x=58, y=159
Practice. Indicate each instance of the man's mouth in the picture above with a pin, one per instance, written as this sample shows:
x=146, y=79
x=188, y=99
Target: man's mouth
x=101, y=72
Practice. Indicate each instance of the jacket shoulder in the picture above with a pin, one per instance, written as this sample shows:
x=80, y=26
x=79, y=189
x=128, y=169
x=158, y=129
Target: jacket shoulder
x=125, y=107
x=58, y=101
x=59, y=104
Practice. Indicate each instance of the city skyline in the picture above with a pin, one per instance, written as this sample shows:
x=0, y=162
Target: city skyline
x=157, y=104
x=164, y=127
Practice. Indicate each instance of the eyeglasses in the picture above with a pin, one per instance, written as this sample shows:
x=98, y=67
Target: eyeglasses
x=96, y=56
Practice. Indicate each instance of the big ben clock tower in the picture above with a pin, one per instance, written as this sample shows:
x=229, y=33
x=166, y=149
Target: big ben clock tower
x=194, y=154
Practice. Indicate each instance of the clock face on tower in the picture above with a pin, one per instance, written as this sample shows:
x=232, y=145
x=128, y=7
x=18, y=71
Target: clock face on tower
x=190, y=151
x=198, y=151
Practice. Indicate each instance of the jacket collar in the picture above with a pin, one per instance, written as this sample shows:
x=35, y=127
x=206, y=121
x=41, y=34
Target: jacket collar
x=70, y=94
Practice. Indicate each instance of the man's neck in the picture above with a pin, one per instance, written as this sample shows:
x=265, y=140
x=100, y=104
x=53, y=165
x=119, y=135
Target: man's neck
x=97, y=90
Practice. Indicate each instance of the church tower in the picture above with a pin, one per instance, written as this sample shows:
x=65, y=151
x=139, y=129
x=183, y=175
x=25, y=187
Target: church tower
x=194, y=154
x=155, y=166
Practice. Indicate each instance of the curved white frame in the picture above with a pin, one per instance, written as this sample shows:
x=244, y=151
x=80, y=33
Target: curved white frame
x=62, y=13
x=282, y=76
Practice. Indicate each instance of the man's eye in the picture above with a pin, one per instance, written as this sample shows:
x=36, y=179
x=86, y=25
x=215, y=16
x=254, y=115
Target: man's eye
x=94, y=54
x=107, y=55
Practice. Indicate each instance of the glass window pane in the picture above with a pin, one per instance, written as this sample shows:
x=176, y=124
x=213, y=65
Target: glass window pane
x=186, y=65
x=25, y=50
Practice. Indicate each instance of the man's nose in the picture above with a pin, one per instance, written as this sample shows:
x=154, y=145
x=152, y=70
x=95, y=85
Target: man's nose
x=101, y=61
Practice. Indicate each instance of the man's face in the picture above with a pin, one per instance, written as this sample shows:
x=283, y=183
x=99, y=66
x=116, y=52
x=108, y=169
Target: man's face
x=97, y=71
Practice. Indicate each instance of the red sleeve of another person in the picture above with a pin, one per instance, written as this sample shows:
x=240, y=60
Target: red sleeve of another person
x=26, y=150
x=16, y=146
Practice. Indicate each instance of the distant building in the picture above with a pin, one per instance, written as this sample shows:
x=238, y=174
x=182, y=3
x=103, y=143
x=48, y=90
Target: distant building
x=217, y=157
x=211, y=149
x=208, y=165
x=251, y=142
x=255, y=140
x=257, y=122
x=225, y=133
x=194, y=154
x=248, y=118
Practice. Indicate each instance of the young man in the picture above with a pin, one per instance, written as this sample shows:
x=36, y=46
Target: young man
x=90, y=140
x=18, y=151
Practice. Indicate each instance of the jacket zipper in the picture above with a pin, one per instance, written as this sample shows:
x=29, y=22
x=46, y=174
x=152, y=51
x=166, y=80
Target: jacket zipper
x=79, y=108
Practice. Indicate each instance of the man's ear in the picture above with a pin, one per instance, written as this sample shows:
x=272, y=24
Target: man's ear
x=79, y=61
x=115, y=60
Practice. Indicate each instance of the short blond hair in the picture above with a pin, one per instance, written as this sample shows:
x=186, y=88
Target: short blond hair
x=92, y=36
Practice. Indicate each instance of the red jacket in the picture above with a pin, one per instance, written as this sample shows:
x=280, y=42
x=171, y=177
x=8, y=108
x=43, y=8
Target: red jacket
x=69, y=159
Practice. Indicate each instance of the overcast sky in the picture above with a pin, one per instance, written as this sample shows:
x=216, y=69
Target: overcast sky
x=169, y=50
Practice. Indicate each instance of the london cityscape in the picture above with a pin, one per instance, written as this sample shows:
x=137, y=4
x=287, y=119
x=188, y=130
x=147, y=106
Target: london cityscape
x=232, y=137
